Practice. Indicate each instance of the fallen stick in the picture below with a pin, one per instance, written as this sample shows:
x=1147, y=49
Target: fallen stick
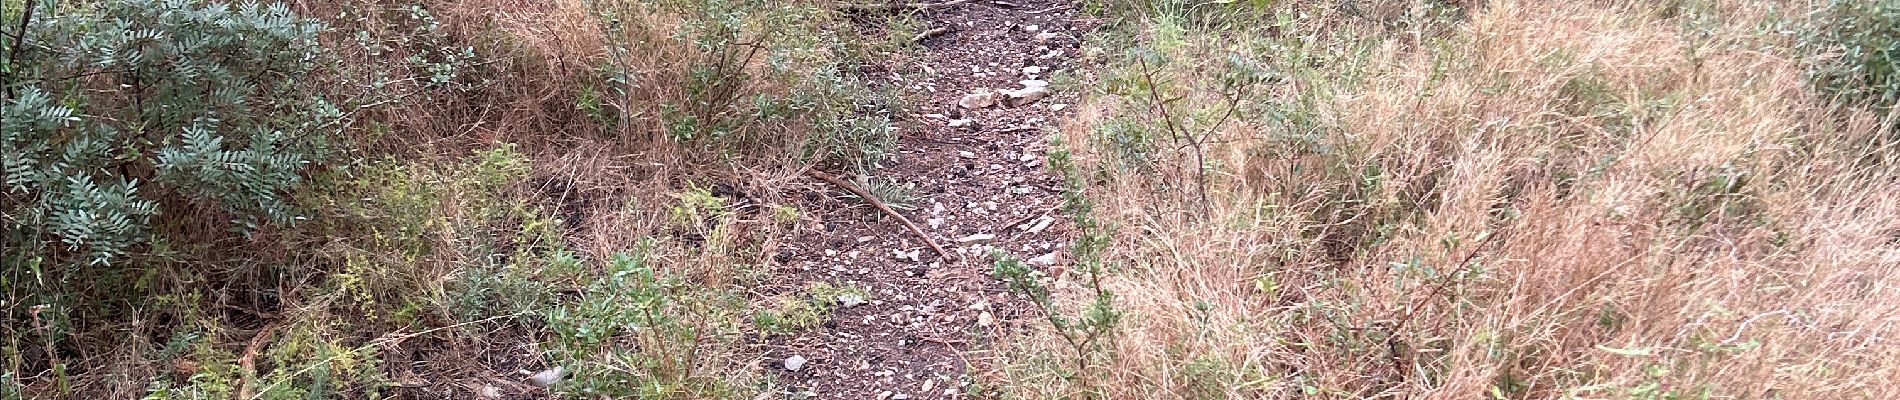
x=247, y=361
x=899, y=6
x=847, y=186
x=927, y=34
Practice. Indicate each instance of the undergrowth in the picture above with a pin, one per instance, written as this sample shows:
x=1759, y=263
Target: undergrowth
x=372, y=199
x=1516, y=199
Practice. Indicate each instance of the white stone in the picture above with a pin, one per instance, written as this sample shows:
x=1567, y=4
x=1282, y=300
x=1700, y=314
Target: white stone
x=977, y=238
x=978, y=100
x=794, y=363
x=1025, y=96
x=547, y=378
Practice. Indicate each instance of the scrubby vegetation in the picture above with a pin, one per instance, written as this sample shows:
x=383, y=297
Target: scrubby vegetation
x=1272, y=199
x=259, y=200
x=1507, y=199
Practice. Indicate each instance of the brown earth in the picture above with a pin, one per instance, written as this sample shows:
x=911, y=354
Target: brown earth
x=925, y=314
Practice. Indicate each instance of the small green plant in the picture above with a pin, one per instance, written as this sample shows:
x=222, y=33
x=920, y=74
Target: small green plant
x=1086, y=331
x=637, y=333
x=902, y=196
x=784, y=214
x=753, y=70
x=808, y=308
x=1236, y=85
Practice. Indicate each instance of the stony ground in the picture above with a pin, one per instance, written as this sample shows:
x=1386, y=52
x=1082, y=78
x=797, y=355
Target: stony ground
x=974, y=151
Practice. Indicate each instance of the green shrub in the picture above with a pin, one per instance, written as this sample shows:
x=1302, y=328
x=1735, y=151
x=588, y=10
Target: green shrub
x=1865, y=37
x=755, y=79
x=118, y=112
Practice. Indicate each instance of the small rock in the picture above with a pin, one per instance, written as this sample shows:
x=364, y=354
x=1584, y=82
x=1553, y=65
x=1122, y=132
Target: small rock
x=984, y=319
x=934, y=222
x=956, y=123
x=794, y=363
x=937, y=116
x=1031, y=28
x=492, y=392
x=929, y=384
x=1025, y=96
x=546, y=378
x=1046, y=259
x=966, y=154
x=1032, y=70
x=850, y=300
x=1034, y=83
x=1058, y=107
x=900, y=396
x=978, y=100
x=979, y=306
x=977, y=238
x=1045, y=37
x=1027, y=157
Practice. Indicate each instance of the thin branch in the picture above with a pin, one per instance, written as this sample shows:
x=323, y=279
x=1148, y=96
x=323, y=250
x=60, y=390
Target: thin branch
x=248, y=361
x=929, y=33
x=886, y=7
x=847, y=186
x=19, y=42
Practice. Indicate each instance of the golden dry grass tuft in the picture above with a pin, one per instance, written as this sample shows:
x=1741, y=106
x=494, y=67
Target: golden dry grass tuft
x=1550, y=200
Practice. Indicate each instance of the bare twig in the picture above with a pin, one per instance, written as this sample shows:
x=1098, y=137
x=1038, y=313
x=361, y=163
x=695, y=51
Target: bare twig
x=899, y=6
x=928, y=33
x=1047, y=10
x=1031, y=216
x=847, y=186
x=19, y=42
x=248, y=361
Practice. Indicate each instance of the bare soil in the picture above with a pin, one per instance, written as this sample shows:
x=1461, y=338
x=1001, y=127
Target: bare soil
x=912, y=336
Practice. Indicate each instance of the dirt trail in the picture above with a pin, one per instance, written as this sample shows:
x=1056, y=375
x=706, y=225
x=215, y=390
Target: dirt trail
x=976, y=172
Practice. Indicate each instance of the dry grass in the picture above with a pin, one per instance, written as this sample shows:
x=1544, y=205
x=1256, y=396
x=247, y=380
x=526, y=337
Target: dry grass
x=1556, y=200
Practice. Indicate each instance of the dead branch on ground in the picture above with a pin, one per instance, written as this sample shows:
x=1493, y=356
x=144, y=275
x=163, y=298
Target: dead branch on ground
x=862, y=194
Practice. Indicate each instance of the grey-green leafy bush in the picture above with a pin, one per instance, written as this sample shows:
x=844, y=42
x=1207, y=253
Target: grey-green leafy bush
x=120, y=112
x=1864, y=36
